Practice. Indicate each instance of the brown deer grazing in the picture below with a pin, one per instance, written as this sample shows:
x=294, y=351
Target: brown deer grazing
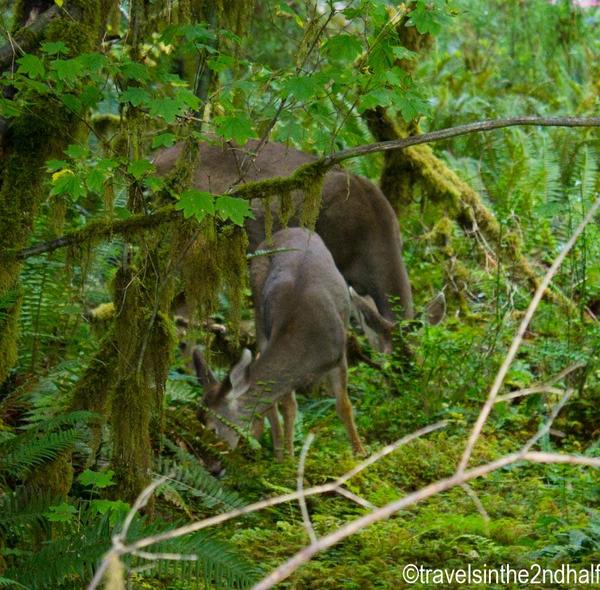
x=302, y=307
x=356, y=222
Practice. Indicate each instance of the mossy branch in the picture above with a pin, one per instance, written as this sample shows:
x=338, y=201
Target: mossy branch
x=304, y=176
x=98, y=230
x=488, y=125
x=27, y=37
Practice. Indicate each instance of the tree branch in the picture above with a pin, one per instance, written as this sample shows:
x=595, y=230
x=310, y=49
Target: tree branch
x=298, y=180
x=488, y=125
x=99, y=230
x=27, y=37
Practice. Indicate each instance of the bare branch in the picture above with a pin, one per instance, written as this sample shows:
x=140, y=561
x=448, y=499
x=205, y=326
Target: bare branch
x=545, y=387
x=120, y=549
x=488, y=125
x=355, y=498
x=516, y=343
x=477, y=501
x=304, y=555
x=300, y=487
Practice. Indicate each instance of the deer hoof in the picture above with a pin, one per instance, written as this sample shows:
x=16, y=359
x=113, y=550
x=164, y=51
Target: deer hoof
x=359, y=450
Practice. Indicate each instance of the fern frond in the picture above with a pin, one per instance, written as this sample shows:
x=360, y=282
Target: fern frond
x=8, y=583
x=18, y=456
x=23, y=507
x=190, y=478
x=217, y=563
x=73, y=556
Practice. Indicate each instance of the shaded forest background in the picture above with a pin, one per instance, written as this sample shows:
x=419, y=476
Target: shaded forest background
x=96, y=395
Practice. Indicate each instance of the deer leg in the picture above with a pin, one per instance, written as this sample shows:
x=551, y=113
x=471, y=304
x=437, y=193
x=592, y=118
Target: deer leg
x=276, y=431
x=258, y=427
x=339, y=379
x=288, y=409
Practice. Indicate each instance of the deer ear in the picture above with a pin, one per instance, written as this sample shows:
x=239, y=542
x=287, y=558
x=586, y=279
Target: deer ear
x=239, y=377
x=371, y=314
x=435, y=311
x=203, y=372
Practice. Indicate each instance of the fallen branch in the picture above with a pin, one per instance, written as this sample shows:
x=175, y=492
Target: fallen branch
x=518, y=339
x=120, y=547
x=306, y=554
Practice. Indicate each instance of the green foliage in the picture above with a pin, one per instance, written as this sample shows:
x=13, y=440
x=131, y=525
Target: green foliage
x=308, y=76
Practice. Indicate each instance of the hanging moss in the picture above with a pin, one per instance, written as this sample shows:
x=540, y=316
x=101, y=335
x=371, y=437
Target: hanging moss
x=10, y=310
x=312, y=202
x=286, y=207
x=200, y=271
x=144, y=339
x=268, y=213
x=232, y=248
x=441, y=235
x=54, y=478
x=132, y=401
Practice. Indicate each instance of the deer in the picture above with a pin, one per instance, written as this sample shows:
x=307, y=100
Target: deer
x=302, y=308
x=356, y=222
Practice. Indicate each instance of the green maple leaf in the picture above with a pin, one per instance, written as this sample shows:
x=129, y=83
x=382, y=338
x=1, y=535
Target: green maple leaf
x=98, y=479
x=234, y=208
x=236, y=127
x=31, y=66
x=195, y=203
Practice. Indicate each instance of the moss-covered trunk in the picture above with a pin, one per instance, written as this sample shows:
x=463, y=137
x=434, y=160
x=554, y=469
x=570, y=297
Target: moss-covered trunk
x=403, y=169
x=44, y=130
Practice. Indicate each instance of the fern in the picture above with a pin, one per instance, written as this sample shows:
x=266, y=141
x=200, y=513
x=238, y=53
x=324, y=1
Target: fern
x=190, y=478
x=70, y=560
x=24, y=507
x=20, y=455
x=71, y=557
x=8, y=583
x=217, y=563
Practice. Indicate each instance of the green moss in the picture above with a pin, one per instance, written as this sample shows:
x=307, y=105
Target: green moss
x=54, y=478
x=9, y=331
x=232, y=247
x=42, y=132
x=312, y=201
x=286, y=208
x=268, y=212
x=94, y=389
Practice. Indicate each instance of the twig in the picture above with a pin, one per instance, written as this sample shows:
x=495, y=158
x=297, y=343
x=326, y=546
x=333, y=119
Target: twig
x=545, y=387
x=119, y=548
x=290, y=566
x=168, y=556
x=355, y=498
x=300, y=487
x=118, y=540
x=546, y=427
x=516, y=343
x=477, y=501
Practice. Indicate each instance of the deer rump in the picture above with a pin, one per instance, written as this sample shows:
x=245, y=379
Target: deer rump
x=355, y=221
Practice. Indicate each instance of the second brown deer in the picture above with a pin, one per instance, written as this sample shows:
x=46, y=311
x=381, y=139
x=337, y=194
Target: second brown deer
x=302, y=307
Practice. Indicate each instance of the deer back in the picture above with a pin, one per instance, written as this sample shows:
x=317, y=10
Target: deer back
x=356, y=222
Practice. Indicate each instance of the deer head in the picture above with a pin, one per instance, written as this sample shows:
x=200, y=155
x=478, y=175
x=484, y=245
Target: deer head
x=223, y=399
